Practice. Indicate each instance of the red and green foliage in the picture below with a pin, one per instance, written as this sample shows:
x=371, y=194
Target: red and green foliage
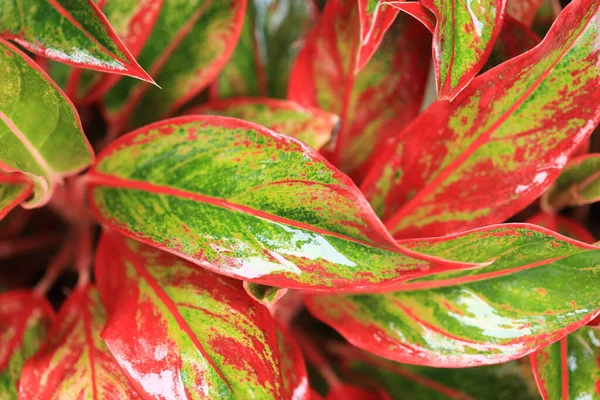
x=298, y=199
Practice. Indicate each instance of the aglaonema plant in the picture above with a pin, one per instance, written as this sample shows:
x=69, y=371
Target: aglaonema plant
x=295, y=199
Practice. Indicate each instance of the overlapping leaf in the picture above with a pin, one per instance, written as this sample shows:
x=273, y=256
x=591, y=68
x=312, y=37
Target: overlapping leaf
x=493, y=314
x=523, y=11
x=39, y=128
x=73, y=32
x=25, y=319
x=245, y=201
x=564, y=225
x=310, y=125
x=74, y=362
x=463, y=40
x=486, y=155
x=190, y=43
x=498, y=382
x=514, y=40
x=577, y=185
x=379, y=100
x=376, y=17
x=14, y=189
x=270, y=39
x=198, y=333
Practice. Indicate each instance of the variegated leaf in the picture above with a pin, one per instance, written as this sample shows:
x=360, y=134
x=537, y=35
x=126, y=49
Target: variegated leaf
x=494, y=149
x=566, y=226
x=244, y=201
x=514, y=40
x=376, y=17
x=14, y=189
x=494, y=314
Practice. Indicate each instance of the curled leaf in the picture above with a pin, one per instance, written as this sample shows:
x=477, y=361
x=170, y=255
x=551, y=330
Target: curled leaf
x=14, y=189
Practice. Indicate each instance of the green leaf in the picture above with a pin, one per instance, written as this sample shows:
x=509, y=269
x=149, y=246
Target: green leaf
x=577, y=185
x=190, y=43
x=262, y=60
x=25, y=319
x=494, y=149
x=265, y=295
x=14, y=189
x=310, y=125
x=191, y=328
x=40, y=129
x=74, y=362
x=74, y=32
x=244, y=201
x=483, y=316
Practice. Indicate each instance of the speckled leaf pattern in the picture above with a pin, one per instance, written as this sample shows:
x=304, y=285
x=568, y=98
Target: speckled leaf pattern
x=569, y=369
x=514, y=40
x=190, y=43
x=512, y=380
x=40, y=131
x=375, y=19
x=244, y=201
x=499, y=145
x=74, y=32
x=74, y=362
x=523, y=10
x=377, y=102
x=310, y=125
x=25, y=319
x=490, y=315
x=463, y=40
x=564, y=225
x=182, y=332
x=132, y=21
x=14, y=189
x=270, y=39
x=577, y=185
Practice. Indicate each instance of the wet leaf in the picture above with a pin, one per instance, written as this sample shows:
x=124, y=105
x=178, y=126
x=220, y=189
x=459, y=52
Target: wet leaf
x=14, y=189
x=247, y=202
x=40, y=129
x=74, y=32
x=25, y=319
x=490, y=315
x=489, y=153
x=176, y=328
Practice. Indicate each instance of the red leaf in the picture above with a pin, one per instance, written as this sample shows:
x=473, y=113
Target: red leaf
x=564, y=225
x=523, y=10
x=376, y=17
x=349, y=392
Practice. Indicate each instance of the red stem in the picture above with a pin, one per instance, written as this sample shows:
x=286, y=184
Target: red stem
x=15, y=247
x=55, y=268
x=314, y=356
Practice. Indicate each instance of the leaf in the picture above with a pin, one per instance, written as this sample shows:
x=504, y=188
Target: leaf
x=280, y=214
x=401, y=381
x=494, y=314
x=577, y=185
x=416, y=10
x=489, y=153
x=74, y=362
x=523, y=10
x=190, y=43
x=463, y=40
x=349, y=392
x=514, y=39
x=310, y=125
x=377, y=102
x=376, y=17
x=40, y=129
x=74, y=32
x=265, y=295
x=132, y=21
x=564, y=225
x=196, y=332
x=25, y=319
x=270, y=39
x=14, y=189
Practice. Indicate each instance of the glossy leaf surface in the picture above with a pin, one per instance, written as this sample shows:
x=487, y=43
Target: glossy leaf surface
x=401, y=381
x=310, y=125
x=523, y=10
x=271, y=37
x=14, y=189
x=577, y=185
x=569, y=369
x=74, y=32
x=463, y=40
x=39, y=127
x=25, y=319
x=495, y=148
x=490, y=315
x=375, y=19
x=265, y=295
x=189, y=45
x=247, y=202
x=213, y=341
x=74, y=362
x=379, y=100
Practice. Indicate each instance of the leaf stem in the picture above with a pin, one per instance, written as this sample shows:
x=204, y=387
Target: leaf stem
x=38, y=242
x=55, y=268
x=314, y=356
